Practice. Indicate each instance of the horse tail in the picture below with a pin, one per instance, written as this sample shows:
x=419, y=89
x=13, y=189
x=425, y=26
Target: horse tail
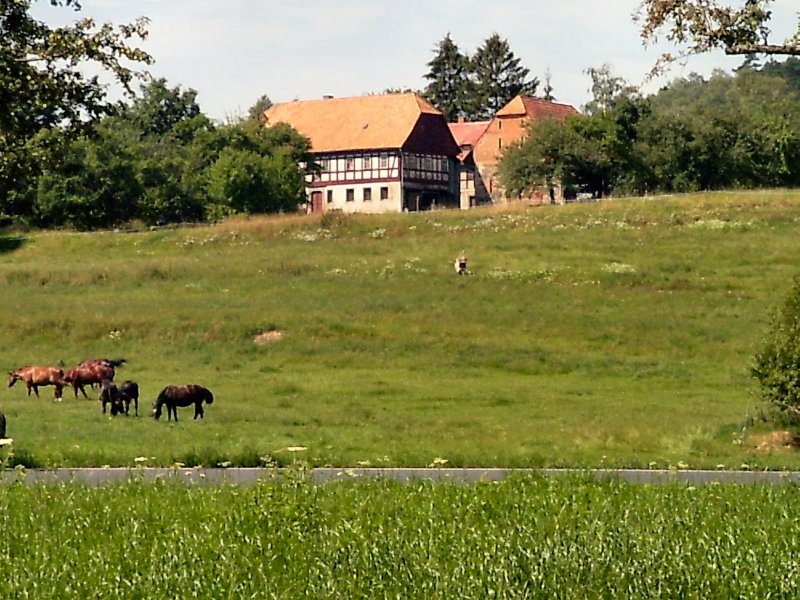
x=209, y=397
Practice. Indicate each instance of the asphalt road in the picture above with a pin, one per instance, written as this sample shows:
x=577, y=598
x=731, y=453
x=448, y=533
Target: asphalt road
x=211, y=476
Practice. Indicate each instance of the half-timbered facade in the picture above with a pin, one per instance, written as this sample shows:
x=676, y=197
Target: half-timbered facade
x=375, y=154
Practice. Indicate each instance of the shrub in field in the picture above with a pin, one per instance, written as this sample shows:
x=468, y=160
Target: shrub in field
x=777, y=364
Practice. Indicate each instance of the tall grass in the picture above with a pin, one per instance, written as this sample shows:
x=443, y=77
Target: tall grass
x=521, y=538
x=618, y=334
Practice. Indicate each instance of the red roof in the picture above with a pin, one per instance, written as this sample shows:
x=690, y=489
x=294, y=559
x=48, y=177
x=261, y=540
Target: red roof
x=468, y=134
x=536, y=109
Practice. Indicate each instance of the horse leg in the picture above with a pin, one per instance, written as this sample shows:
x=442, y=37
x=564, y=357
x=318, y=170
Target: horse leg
x=58, y=392
x=83, y=391
x=35, y=389
x=198, y=409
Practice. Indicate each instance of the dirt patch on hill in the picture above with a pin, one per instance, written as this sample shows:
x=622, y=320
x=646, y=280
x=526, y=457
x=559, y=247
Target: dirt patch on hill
x=268, y=337
x=775, y=441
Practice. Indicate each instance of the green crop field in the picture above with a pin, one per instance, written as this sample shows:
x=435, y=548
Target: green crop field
x=617, y=333
x=522, y=538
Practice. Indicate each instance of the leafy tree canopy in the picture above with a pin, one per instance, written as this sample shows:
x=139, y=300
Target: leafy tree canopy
x=699, y=26
x=43, y=82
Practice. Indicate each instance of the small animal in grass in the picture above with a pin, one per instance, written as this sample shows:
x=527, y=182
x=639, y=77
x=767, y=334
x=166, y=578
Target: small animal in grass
x=35, y=376
x=174, y=396
x=460, y=264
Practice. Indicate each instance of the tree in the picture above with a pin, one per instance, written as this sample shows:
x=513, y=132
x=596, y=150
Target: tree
x=704, y=25
x=607, y=90
x=777, y=365
x=256, y=112
x=450, y=85
x=43, y=84
x=499, y=76
x=548, y=88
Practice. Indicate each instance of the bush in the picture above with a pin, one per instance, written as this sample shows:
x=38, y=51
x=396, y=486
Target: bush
x=777, y=365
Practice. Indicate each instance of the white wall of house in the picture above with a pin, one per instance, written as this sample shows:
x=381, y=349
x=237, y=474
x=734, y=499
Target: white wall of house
x=372, y=197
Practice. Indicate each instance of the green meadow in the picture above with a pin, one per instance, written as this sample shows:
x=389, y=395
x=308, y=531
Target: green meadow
x=616, y=334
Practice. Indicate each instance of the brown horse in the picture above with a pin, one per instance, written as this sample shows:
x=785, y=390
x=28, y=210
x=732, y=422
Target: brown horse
x=36, y=376
x=186, y=395
x=91, y=372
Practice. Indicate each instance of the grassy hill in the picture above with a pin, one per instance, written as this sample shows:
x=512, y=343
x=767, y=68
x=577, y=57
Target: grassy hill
x=617, y=333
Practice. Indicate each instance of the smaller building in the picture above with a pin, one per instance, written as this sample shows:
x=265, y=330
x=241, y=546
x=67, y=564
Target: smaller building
x=375, y=154
x=509, y=125
x=473, y=189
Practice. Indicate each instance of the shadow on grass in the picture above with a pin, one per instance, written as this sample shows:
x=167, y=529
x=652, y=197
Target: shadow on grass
x=10, y=243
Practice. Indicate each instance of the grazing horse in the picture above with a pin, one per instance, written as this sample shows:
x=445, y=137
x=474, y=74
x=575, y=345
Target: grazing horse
x=36, y=376
x=91, y=372
x=108, y=362
x=186, y=395
x=129, y=392
x=110, y=394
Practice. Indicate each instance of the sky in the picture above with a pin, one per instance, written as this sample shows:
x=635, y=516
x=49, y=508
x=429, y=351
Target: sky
x=232, y=52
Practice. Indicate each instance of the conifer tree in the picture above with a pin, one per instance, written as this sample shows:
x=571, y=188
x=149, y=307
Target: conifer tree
x=498, y=76
x=449, y=87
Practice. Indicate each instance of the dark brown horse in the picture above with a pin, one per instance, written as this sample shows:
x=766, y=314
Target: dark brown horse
x=91, y=372
x=109, y=394
x=36, y=376
x=129, y=391
x=185, y=395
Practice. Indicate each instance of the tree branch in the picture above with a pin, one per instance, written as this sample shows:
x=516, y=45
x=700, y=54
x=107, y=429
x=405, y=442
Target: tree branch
x=793, y=50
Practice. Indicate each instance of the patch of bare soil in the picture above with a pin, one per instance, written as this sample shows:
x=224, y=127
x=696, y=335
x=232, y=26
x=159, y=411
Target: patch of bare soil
x=775, y=441
x=268, y=337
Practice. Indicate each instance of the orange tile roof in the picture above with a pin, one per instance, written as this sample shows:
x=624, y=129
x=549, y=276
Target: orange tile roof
x=536, y=109
x=357, y=123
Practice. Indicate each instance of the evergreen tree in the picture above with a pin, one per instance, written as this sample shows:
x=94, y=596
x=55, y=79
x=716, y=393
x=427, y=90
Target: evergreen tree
x=499, y=76
x=449, y=87
x=548, y=88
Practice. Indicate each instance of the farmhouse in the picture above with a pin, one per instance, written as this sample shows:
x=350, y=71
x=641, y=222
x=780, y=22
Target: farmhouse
x=507, y=127
x=375, y=154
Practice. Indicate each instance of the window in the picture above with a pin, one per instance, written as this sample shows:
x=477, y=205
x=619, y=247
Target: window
x=384, y=193
x=350, y=195
x=367, y=194
x=324, y=164
x=384, y=161
x=367, y=163
x=330, y=196
x=349, y=163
